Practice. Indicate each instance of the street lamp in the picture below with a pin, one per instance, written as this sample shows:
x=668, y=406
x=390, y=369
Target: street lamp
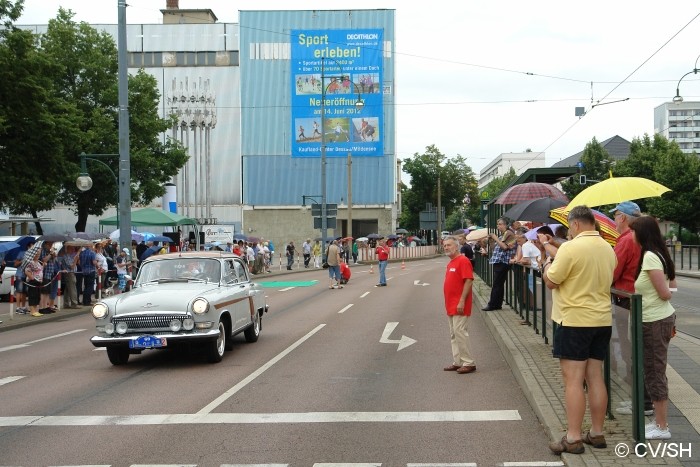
x=359, y=104
x=677, y=99
x=84, y=182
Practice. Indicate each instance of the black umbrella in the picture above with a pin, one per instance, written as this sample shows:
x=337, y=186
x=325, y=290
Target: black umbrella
x=374, y=236
x=534, y=210
x=54, y=237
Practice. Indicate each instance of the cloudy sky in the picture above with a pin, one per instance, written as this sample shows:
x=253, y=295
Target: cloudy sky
x=480, y=78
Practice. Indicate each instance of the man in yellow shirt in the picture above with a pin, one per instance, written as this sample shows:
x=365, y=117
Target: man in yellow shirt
x=580, y=279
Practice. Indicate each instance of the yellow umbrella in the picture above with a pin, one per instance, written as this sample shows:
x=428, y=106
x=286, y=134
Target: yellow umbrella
x=615, y=190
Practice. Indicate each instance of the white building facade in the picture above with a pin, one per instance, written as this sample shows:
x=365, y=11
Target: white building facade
x=679, y=122
x=518, y=161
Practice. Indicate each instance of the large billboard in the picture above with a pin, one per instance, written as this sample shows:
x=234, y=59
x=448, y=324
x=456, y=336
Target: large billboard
x=343, y=64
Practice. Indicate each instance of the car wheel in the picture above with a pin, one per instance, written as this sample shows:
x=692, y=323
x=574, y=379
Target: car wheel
x=118, y=355
x=215, y=349
x=253, y=332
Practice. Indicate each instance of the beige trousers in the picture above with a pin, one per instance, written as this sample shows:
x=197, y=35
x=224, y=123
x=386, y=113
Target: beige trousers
x=459, y=338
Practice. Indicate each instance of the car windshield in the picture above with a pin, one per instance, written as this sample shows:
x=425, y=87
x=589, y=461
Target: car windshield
x=179, y=269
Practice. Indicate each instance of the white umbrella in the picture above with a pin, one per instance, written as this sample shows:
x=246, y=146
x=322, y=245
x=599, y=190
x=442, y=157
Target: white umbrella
x=114, y=236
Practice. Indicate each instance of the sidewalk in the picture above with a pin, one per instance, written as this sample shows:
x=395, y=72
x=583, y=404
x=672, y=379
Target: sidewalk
x=539, y=376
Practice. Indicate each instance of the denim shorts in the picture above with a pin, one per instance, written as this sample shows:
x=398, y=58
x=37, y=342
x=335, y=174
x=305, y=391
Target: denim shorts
x=581, y=343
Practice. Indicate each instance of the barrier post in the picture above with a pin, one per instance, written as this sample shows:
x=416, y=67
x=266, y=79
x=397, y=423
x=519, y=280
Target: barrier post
x=98, y=295
x=12, y=298
x=59, y=297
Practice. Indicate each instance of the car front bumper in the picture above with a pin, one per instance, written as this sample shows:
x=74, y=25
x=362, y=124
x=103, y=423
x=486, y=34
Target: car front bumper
x=172, y=338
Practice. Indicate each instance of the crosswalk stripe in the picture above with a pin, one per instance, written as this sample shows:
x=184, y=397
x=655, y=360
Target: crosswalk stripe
x=261, y=418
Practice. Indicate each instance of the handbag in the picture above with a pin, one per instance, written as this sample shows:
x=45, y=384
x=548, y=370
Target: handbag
x=325, y=265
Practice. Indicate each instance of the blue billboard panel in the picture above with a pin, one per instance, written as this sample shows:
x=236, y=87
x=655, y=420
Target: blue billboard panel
x=331, y=70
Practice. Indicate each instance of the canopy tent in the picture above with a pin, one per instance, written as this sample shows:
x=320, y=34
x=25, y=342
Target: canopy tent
x=153, y=217
x=156, y=217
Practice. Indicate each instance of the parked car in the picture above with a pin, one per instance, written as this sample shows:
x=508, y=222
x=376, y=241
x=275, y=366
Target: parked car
x=180, y=299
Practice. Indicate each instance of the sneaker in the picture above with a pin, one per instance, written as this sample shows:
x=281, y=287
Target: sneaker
x=627, y=410
x=563, y=445
x=36, y=313
x=656, y=432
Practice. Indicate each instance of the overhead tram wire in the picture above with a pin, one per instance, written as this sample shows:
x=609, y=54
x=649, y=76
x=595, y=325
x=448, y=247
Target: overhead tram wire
x=617, y=86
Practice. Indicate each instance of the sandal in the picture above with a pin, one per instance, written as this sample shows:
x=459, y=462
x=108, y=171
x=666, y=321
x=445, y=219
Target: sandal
x=597, y=441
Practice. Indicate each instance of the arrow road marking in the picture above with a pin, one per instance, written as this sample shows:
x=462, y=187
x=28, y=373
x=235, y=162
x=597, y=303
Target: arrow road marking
x=418, y=283
x=403, y=343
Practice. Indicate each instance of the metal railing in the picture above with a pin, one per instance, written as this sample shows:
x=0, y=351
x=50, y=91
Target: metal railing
x=685, y=256
x=533, y=306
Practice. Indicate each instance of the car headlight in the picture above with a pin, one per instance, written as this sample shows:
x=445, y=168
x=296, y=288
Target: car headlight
x=122, y=327
x=188, y=324
x=200, y=306
x=175, y=325
x=100, y=310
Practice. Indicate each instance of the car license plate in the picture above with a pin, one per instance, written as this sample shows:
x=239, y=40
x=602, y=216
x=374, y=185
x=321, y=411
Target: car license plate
x=147, y=342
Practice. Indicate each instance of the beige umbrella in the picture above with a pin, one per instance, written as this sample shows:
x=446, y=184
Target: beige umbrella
x=477, y=235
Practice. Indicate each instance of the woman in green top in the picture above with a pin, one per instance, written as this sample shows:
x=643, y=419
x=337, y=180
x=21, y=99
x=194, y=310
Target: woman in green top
x=656, y=275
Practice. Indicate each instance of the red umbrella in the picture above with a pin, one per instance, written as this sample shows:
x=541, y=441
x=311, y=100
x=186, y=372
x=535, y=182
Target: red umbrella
x=527, y=191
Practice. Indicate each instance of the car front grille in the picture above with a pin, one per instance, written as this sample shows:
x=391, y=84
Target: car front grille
x=151, y=323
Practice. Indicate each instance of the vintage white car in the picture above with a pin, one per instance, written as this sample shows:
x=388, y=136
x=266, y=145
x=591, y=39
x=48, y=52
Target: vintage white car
x=182, y=298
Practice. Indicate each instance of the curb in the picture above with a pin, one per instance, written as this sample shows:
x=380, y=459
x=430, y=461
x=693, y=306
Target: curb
x=526, y=377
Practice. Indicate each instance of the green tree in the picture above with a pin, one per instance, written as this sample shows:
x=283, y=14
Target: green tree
x=644, y=156
x=597, y=164
x=34, y=122
x=679, y=172
x=456, y=181
x=84, y=80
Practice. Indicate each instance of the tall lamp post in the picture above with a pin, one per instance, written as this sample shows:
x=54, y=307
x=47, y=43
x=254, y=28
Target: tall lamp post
x=678, y=98
x=84, y=182
x=124, y=156
x=359, y=104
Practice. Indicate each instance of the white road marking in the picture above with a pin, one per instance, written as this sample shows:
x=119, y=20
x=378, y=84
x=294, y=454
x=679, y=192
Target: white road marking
x=222, y=398
x=284, y=290
x=55, y=336
x=533, y=464
x=253, y=465
x=418, y=283
x=403, y=342
x=10, y=379
x=261, y=418
x=347, y=464
x=27, y=344
x=458, y=464
x=13, y=347
x=346, y=308
x=364, y=295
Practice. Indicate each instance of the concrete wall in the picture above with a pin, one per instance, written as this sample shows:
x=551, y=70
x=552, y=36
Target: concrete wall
x=282, y=225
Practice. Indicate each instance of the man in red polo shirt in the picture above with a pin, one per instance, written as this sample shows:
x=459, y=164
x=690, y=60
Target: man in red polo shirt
x=458, y=304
